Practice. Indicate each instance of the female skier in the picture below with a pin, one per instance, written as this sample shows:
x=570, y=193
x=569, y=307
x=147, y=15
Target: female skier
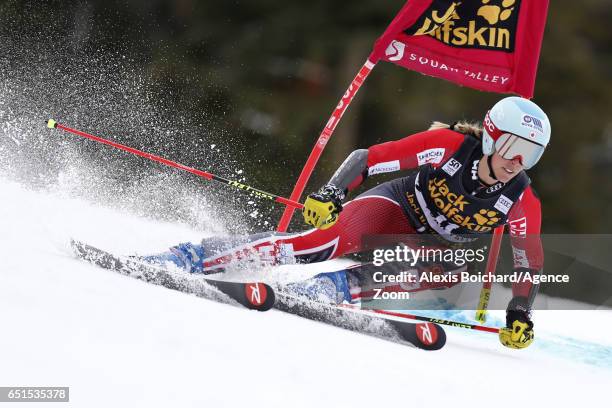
x=467, y=180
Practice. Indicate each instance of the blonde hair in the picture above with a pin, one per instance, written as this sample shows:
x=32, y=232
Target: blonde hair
x=465, y=127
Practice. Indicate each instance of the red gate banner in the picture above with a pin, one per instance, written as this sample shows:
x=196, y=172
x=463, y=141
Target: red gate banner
x=490, y=45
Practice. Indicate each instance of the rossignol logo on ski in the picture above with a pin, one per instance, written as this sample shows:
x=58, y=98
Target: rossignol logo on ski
x=484, y=24
x=427, y=333
x=256, y=293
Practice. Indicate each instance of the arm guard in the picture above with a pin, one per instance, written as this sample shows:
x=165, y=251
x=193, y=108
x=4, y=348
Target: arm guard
x=355, y=165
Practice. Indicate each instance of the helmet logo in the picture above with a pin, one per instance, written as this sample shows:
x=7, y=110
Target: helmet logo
x=533, y=123
x=493, y=131
x=489, y=124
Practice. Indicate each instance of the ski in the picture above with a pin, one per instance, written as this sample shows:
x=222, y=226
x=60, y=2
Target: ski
x=253, y=295
x=260, y=296
x=426, y=336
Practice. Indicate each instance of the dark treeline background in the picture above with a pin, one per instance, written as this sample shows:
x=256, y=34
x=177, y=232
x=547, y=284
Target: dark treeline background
x=260, y=78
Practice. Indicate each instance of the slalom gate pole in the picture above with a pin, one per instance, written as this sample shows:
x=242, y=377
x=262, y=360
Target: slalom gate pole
x=209, y=176
x=485, y=292
x=429, y=319
x=326, y=134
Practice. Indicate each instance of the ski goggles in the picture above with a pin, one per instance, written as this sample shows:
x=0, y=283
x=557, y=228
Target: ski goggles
x=510, y=146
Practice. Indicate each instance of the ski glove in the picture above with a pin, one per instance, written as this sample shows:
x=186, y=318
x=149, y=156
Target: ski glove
x=518, y=332
x=321, y=209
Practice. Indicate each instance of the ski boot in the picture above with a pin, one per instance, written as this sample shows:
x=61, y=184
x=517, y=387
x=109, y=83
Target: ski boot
x=329, y=287
x=186, y=256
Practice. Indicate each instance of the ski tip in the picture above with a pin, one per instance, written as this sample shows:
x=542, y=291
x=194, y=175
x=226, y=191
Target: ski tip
x=75, y=244
x=51, y=124
x=426, y=336
x=259, y=296
x=80, y=249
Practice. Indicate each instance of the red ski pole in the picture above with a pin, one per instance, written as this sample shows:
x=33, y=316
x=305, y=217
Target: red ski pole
x=327, y=132
x=485, y=293
x=209, y=176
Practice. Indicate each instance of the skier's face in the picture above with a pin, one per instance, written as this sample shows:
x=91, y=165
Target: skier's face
x=505, y=169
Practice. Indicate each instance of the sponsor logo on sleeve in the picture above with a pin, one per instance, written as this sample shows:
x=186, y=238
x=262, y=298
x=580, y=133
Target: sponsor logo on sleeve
x=503, y=204
x=451, y=167
x=430, y=156
x=520, y=258
x=518, y=227
x=385, y=167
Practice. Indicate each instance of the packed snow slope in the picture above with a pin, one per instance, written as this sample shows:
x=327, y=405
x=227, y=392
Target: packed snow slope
x=116, y=341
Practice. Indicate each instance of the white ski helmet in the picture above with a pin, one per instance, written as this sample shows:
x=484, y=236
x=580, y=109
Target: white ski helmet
x=516, y=127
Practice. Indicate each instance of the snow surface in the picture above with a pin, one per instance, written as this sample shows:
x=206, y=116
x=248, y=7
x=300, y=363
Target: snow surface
x=117, y=341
